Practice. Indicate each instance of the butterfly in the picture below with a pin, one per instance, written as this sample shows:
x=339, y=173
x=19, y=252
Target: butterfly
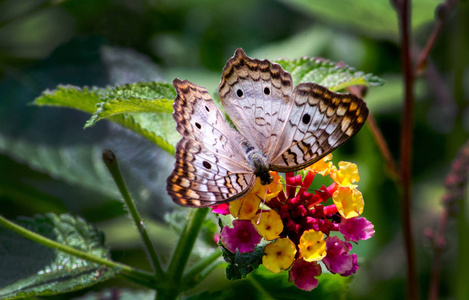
x=279, y=128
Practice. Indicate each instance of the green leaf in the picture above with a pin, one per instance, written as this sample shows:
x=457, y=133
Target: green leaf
x=326, y=73
x=144, y=108
x=142, y=97
x=380, y=16
x=84, y=99
x=31, y=269
x=241, y=264
x=79, y=165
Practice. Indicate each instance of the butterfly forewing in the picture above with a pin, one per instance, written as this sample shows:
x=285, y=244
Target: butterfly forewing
x=256, y=95
x=210, y=165
x=319, y=122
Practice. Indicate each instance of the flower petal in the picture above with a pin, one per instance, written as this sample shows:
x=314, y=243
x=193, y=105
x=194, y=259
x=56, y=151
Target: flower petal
x=312, y=245
x=303, y=274
x=269, y=225
x=279, y=255
x=355, y=229
x=349, y=201
x=243, y=236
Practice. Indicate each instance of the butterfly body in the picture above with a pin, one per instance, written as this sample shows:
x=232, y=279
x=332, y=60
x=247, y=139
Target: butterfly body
x=278, y=128
x=259, y=163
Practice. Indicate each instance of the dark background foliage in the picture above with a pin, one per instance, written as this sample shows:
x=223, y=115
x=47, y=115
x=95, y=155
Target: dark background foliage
x=48, y=163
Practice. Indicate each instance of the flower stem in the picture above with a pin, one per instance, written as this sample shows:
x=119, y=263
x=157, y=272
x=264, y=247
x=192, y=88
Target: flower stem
x=183, y=250
x=137, y=276
x=443, y=10
x=111, y=163
x=404, y=13
x=196, y=271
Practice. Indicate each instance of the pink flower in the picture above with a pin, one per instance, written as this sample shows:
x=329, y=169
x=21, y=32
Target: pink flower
x=243, y=236
x=222, y=209
x=356, y=229
x=338, y=259
x=303, y=273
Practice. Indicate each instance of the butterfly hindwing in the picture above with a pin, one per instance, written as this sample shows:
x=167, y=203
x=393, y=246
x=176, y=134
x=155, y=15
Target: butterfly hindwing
x=210, y=166
x=320, y=121
x=201, y=179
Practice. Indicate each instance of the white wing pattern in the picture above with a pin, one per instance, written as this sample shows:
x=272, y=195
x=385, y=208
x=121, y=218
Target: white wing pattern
x=210, y=166
x=289, y=129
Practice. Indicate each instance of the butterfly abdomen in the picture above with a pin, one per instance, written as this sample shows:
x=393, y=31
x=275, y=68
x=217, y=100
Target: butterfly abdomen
x=259, y=163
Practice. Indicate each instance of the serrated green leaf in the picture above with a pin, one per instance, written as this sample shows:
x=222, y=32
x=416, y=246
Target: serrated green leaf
x=30, y=269
x=380, y=16
x=84, y=99
x=120, y=106
x=144, y=108
x=142, y=97
x=327, y=73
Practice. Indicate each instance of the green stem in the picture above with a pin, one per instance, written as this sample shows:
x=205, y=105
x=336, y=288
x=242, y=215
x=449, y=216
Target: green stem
x=111, y=163
x=183, y=250
x=194, y=274
x=138, y=276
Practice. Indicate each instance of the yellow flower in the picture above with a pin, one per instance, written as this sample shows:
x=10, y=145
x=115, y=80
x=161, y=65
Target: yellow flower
x=275, y=187
x=245, y=208
x=346, y=175
x=323, y=166
x=349, y=201
x=270, y=224
x=279, y=255
x=312, y=245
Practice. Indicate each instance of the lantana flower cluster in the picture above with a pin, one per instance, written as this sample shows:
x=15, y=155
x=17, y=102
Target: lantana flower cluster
x=305, y=231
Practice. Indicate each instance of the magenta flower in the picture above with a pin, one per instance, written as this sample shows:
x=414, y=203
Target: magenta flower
x=338, y=259
x=243, y=236
x=303, y=274
x=222, y=209
x=356, y=229
x=354, y=266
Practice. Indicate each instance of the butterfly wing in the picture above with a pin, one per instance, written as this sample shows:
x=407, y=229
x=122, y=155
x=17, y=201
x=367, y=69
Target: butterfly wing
x=210, y=165
x=319, y=122
x=256, y=95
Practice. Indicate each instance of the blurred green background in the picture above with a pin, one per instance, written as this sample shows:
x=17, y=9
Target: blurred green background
x=48, y=163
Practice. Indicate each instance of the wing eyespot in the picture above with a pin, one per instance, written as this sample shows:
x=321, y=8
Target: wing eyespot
x=306, y=118
x=207, y=165
x=198, y=125
x=239, y=93
x=266, y=91
x=206, y=108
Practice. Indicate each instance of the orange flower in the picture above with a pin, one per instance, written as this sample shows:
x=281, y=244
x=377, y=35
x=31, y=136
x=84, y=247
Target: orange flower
x=323, y=166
